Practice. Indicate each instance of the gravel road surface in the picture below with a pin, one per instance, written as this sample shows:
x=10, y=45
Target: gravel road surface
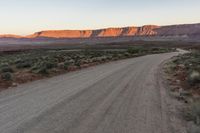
x=117, y=97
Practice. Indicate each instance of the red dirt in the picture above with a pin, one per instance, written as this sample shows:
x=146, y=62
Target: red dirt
x=179, y=79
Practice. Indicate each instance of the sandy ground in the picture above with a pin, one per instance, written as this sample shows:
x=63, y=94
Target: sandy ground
x=118, y=97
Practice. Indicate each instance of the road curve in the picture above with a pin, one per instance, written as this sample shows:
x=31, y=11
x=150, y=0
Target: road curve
x=117, y=97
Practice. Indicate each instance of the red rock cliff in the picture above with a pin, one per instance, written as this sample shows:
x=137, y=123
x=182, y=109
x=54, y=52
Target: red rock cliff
x=147, y=30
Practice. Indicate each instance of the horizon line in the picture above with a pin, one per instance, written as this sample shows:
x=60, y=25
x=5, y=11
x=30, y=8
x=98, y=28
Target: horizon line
x=87, y=29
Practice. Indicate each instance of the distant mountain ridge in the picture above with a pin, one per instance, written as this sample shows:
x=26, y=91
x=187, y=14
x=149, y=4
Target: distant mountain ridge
x=184, y=30
x=10, y=36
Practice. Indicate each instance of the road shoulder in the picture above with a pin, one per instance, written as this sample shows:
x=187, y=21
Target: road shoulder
x=170, y=105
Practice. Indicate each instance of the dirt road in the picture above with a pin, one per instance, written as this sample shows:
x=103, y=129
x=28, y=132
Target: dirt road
x=117, y=97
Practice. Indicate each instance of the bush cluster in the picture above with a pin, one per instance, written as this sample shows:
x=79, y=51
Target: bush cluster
x=42, y=61
x=7, y=76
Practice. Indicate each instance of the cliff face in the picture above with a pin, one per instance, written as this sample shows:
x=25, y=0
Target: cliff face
x=62, y=34
x=188, y=30
x=179, y=30
x=10, y=36
x=109, y=32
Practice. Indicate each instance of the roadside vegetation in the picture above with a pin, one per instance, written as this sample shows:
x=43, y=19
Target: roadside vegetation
x=184, y=78
x=25, y=66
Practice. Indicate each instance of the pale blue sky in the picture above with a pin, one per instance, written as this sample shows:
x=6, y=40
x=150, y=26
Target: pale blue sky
x=27, y=16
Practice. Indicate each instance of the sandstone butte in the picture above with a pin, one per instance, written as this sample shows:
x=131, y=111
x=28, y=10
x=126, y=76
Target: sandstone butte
x=147, y=30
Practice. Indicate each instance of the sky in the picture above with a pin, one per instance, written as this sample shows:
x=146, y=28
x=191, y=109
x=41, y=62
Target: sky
x=25, y=17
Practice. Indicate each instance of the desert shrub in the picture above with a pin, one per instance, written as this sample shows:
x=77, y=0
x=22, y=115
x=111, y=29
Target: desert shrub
x=61, y=65
x=109, y=57
x=68, y=62
x=155, y=49
x=50, y=64
x=172, y=66
x=194, y=129
x=66, y=65
x=176, y=60
x=27, y=61
x=36, y=66
x=104, y=58
x=6, y=68
x=193, y=112
x=18, y=61
x=134, y=50
x=120, y=56
x=76, y=57
x=160, y=50
x=71, y=61
x=23, y=64
x=6, y=76
x=43, y=66
x=87, y=52
x=99, y=59
x=127, y=54
x=194, y=77
x=114, y=55
x=84, y=61
x=77, y=63
x=67, y=58
x=40, y=68
x=81, y=56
